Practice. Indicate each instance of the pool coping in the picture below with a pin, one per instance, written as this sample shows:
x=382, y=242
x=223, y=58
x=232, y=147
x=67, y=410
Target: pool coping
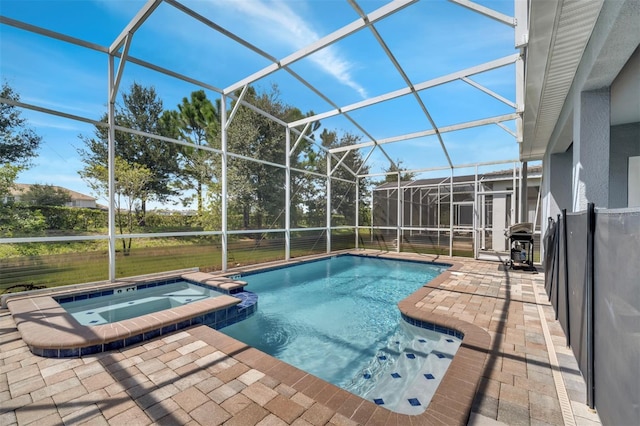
x=451, y=403
x=50, y=331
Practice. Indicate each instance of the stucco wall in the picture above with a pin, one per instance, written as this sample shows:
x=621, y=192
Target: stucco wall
x=625, y=143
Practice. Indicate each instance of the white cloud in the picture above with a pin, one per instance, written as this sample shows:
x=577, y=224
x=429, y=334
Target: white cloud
x=278, y=23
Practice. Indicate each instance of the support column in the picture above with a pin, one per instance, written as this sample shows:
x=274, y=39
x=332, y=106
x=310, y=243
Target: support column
x=514, y=192
x=287, y=197
x=591, y=138
x=400, y=218
x=357, y=218
x=451, y=214
x=476, y=217
x=223, y=179
x=111, y=148
x=524, y=194
x=328, y=203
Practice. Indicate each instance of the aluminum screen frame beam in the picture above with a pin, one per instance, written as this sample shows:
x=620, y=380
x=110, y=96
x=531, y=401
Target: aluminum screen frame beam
x=347, y=30
x=487, y=66
x=489, y=13
x=134, y=24
x=406, y=79
x=452, y=128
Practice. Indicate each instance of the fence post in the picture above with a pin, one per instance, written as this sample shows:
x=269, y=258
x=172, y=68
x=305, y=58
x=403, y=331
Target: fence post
x=556, y=266
x=590, y=311
x=566, y=277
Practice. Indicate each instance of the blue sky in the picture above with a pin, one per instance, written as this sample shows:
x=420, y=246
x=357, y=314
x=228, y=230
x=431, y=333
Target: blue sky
x=429, y=39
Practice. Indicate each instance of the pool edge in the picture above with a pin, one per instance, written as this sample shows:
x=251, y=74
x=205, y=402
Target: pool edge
x=450, y=405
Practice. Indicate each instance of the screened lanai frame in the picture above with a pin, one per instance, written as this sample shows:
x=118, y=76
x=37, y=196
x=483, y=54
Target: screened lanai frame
x=409, y=218
x=294, y=131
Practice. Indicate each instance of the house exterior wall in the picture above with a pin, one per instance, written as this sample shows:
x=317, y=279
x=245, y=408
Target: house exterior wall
x=591, y=149
x=499, y=219
x=600, y=146
x=90, y=204
x=625, y=143
x=558, y=170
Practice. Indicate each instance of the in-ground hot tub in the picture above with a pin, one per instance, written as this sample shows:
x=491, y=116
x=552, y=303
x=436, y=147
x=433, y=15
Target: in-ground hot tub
x=122, y=318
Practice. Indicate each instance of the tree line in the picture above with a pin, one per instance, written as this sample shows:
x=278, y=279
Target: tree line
x=189, y=174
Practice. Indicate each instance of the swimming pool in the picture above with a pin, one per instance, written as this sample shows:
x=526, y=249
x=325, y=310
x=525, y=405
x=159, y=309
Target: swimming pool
x=338, y=319
x=134, y=301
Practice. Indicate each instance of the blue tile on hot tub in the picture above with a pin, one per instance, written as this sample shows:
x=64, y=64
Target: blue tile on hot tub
x=133, y=340
x=411, y=356
x=151, y=334
x=382, y=358
x=439, y=355
x=71, y=352
x=450, y=340
x=396, y=375
x=183, y=324
x=168, y=329
x=116, y=344
x=379, y=401
x=209, y=318
x=414, y=402
x=366, y=376
x=90, y=350
x=51, y=353
x=221, y=315
x=429, y=376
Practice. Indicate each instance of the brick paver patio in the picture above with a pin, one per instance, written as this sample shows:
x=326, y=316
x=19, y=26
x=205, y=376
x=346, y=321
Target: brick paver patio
x=201, y=377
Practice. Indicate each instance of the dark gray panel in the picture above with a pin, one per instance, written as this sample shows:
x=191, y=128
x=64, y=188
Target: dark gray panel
x=577, y=252
x=617, y=316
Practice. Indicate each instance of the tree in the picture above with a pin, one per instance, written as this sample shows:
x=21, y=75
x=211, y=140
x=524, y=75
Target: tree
x=197, y=122
x=8, y=174
x=131, y=188
x=18, y=142
x=393, y=177
x=46, y=195
x=18, y=146
x=141, y=110
x=258, y=189
x=343, y=199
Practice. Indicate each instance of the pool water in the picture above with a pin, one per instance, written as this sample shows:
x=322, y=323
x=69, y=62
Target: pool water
x=130, y=302
x=338, y=320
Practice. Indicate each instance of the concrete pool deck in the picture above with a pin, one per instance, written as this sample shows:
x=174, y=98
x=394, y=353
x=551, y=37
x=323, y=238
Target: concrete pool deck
x=199, y=376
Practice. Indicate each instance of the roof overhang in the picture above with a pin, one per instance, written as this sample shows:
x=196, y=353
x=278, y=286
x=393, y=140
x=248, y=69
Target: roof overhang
x=559, y=31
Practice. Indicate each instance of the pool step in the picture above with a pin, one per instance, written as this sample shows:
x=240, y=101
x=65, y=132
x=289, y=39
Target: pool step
x=223, y=283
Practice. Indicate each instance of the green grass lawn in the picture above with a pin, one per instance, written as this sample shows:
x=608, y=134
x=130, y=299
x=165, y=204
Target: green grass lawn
x=77, y=263
x=82, y=266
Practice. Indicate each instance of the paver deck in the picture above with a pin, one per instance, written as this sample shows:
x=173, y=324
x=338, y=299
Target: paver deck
x=201, y=377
